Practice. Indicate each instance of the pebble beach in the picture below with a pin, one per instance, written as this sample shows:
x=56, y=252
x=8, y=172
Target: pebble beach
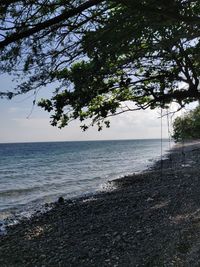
x=148, y=219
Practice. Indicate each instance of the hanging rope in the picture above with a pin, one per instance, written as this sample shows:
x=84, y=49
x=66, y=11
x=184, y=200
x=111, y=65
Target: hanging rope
x=161, y=141
x=168, y=129
x=169, y=136
x=183, y=140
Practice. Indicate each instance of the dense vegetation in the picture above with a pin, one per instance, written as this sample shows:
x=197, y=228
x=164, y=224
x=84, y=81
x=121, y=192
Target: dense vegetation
x=102, y=55
x=187, y=127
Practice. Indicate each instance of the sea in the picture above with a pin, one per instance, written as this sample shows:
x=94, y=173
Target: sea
x=32, y=174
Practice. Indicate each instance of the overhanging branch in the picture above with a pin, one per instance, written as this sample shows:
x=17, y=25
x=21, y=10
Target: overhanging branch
x=46, y=24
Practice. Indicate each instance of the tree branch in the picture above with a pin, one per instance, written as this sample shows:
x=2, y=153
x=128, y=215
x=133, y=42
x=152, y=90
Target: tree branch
x=41, y=26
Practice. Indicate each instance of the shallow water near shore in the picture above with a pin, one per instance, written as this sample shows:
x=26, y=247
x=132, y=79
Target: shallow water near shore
x=32, y=174
x=151, y=219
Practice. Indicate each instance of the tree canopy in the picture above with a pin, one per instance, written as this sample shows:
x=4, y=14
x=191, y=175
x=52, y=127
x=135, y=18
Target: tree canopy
x=102, y=54
x=187, y=127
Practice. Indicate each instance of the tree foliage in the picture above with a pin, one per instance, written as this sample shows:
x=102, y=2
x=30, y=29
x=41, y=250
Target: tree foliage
x=187, y=127
x=103, y=54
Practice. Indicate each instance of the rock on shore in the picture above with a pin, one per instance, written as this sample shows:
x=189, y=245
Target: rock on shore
x=150, y=219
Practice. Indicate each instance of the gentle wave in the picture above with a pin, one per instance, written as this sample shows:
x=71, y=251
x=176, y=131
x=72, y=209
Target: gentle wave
x=41, y=172
x=15, y=192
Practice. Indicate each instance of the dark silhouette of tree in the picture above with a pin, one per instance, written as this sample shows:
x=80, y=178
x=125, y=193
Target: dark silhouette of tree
x=103, y=54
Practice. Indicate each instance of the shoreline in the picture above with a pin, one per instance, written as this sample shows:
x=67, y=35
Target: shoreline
x=38, y=181
x=150, y=219
x=14, y=215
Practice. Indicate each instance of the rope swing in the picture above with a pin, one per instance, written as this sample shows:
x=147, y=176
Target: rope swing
x=169, y=123
x=161, y=140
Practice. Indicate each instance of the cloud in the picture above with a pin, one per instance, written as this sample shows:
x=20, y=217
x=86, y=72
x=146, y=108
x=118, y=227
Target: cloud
x=130, y=125
x=13, y=110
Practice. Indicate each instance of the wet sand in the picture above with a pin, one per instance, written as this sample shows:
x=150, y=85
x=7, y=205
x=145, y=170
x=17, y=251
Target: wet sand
x=150, y=219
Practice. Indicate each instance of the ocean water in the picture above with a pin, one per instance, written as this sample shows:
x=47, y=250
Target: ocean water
x=36, y=173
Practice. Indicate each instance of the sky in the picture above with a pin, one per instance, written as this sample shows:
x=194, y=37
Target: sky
x=18, y=125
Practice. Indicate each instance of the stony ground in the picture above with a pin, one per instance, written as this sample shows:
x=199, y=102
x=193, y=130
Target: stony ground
x=151, y=219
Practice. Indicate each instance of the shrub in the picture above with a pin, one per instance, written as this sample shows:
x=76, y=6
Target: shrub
x=187, y=127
